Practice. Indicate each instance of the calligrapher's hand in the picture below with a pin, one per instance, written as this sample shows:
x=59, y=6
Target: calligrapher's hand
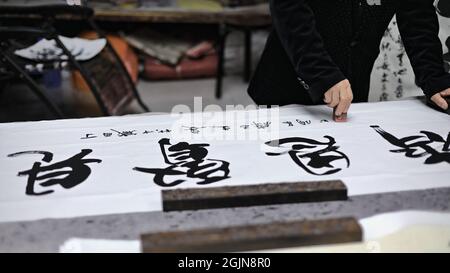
x=439, y=100
x=340, y=96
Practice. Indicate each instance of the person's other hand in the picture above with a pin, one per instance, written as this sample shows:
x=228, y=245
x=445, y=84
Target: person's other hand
x=439, y=100
x=340, y=96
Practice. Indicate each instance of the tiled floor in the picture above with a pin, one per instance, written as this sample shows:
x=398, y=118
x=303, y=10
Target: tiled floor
x=19, y=104
x=161, y=97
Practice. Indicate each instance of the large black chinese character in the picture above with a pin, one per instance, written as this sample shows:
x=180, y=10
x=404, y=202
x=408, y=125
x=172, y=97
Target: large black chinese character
x=420, y=145
x=67, y=173
x=315, y=157
x=188, y=161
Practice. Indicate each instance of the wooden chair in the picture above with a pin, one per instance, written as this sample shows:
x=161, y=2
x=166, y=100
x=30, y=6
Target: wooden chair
x=105, y=74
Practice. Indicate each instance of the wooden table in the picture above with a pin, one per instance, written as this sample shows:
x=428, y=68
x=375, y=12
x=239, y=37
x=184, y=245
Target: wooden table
x=252, y=15
x=244, y=19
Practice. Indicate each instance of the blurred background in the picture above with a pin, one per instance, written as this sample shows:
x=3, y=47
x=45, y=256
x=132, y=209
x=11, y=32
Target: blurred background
x=73, y=58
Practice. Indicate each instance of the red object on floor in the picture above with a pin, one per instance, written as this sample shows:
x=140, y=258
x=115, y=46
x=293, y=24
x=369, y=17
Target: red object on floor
x=186, y=69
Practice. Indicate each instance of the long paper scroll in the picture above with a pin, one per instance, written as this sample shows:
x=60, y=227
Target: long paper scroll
x=68, y=168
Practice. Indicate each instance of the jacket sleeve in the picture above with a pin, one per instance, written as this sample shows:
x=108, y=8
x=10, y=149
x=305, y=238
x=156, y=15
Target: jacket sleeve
x=294, y=22
x=419, y=27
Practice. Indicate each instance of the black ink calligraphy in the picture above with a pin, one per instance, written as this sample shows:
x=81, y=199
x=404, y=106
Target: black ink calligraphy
x=262, y=125
x=188, y=161
x=303, y=122
x=193, y=129
x=420, y=145
x=315, y=157
x=67, y=173
x=125, y=133
x=87, y=136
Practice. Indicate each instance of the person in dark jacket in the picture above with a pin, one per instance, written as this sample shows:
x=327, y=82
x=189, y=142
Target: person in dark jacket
x=324, y=51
